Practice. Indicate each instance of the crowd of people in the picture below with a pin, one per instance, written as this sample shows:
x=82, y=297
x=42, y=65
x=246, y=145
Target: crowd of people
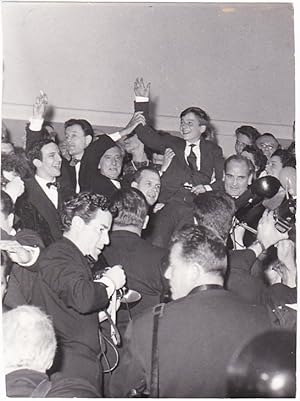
x=141, y=263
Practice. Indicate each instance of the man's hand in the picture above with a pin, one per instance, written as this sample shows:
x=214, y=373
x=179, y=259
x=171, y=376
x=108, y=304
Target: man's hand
x=39, y=106
x=198, y=189
x=18, y=253
x=15, y=188
x=158, y=207
x=140, y=89
x=117, y=275
x=168, y=156
x=137, y=118
x=267, y=233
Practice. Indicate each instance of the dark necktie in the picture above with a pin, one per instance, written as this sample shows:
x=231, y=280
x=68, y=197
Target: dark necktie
x=55, y=184
x=74, y=161
x=192, y=159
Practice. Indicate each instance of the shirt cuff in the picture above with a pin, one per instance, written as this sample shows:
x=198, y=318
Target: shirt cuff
x=34, y=252
x=140, y=99
x=35, y=124
x=207, y=187
x=115, y=136
x=109, y=284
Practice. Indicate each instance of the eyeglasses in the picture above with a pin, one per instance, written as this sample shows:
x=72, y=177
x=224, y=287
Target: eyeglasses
x=266, y=146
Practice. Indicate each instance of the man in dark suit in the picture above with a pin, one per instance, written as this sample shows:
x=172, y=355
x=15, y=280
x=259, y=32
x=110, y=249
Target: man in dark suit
x=38, y=208
x=141, y=261
x=66, y=291
x=198, y=332
x=197, y=161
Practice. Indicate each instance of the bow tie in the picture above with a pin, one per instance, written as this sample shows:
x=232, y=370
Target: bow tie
x=74, y=161
x=55, y=184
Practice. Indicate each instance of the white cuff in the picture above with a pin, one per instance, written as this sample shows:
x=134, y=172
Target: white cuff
x=140, y=99
x=207, y=187
x=110, y=285
x=115, y=136
x=35, y=124
x=34, y=251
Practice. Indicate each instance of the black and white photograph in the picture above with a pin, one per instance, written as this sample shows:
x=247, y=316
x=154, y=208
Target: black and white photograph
x=148, y=199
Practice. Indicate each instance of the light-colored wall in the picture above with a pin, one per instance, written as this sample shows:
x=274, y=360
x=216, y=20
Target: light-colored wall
x=236, y=61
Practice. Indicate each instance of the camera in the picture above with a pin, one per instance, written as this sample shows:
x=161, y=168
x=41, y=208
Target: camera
x=285, y=215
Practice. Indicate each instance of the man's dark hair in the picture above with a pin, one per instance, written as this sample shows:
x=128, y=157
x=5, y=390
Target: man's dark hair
x=132, y=208
x=260, y=159
x=268, y=135
x=215, y=210
x=240, y=159
x=84, y=124
x=85, y=206
x=202, y=116
x=137, y=175
x=287, y=159
x=7, y=205
x=35, y=152
x=249, y=131
x=201, y=245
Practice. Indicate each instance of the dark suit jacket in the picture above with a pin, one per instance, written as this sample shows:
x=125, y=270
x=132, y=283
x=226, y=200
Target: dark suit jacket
x=102, y=185
x=66, y=291
x=142, y=264
x=179, y=172
x=38, y=213
x=198, y=335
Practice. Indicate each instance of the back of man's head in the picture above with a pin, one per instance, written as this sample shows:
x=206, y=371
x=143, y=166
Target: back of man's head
x=215, y=210
x=132, y=208
x=28, y=339
x=200, y=245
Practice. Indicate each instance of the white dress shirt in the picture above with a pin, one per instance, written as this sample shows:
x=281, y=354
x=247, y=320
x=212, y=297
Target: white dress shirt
x=51, y=192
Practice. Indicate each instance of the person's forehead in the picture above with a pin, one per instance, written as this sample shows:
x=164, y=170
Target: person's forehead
x=101, y=218
x=275, y=159
x=75, y=129
x=267, y=140
x=189, y=116
x=113, y=151
x=148, y=175
x=243, y=137
x=237, y=167
x=49, y=148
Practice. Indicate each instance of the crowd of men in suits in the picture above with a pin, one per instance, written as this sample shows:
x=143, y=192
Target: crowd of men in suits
x=89, y=220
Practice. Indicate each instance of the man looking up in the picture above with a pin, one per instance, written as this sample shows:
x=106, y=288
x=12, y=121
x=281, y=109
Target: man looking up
x=38, y=208
x=65, y=288
x=192, y=363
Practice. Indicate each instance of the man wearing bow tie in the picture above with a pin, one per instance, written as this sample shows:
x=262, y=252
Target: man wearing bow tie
x=45, y=193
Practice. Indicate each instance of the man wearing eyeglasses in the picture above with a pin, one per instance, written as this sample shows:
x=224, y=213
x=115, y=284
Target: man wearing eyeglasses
x=268, y=144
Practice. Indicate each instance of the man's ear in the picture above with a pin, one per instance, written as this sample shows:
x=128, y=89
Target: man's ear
x=37, y=163
x=202, y=128
x=250, y=179
x=134, y=184
x=77, y=222
x=146, y=221
x=88, y=140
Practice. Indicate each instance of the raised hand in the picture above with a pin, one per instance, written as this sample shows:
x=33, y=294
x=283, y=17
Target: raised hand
x=198, y=189
x=39, y=106
x=136, y=119
x=140, y=89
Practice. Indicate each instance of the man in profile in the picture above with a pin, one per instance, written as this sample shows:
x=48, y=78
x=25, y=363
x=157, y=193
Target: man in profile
x=65, y=288
x=193, y=352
